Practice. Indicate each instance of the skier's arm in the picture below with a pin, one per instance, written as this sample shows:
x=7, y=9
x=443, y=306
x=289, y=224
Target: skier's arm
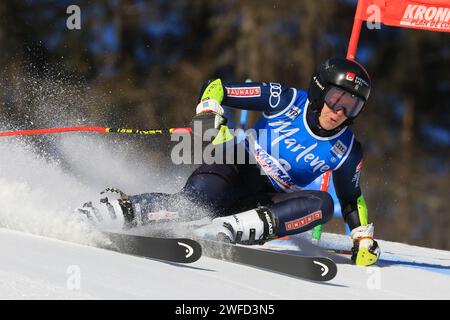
x=269, y=98
x=346, y=181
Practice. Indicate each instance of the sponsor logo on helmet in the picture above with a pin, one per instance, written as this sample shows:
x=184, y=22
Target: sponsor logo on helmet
x=350, y=76
x=244, y=92
x=361, y=82
x=321, y=86
x=426, y=16
x=304, y=221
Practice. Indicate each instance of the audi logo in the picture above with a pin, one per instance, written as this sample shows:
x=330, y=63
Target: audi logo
x=275, y=94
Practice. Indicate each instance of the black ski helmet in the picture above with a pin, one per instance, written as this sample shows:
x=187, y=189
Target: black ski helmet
x=345, y=74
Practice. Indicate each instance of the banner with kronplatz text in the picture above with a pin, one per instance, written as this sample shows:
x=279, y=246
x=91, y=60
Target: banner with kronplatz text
x=422, y=14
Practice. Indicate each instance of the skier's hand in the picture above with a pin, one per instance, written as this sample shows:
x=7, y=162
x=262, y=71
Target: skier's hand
x=365, y=251
x=209, y=115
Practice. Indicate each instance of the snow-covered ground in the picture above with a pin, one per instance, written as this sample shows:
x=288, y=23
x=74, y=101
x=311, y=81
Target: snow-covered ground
x=36, y=267
x=46, y=253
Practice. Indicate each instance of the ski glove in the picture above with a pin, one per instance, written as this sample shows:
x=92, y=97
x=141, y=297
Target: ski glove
x=209, y=115
x=365, y=251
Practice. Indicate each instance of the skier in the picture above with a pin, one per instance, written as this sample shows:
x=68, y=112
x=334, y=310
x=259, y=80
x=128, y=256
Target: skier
x=264, y=200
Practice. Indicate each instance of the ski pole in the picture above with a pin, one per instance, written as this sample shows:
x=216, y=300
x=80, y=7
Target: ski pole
x=317, y=230
x=96, y=129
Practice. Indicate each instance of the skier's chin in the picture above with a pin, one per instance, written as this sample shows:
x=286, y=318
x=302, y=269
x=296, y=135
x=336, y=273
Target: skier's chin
x=330, y=124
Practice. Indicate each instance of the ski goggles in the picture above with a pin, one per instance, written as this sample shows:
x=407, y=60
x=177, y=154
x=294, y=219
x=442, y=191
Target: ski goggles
x=337, y=99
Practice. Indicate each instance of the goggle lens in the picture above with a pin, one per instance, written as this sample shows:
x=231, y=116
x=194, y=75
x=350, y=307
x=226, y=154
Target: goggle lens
x=337, y=99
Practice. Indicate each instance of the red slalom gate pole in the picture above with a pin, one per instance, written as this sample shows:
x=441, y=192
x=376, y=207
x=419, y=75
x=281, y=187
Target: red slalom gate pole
x=51, y=130
x=356, y=30
x=351, y=53
x=96, y=129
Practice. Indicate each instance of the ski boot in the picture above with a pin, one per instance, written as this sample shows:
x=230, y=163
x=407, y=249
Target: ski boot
x=251, y=227
x=110, y=212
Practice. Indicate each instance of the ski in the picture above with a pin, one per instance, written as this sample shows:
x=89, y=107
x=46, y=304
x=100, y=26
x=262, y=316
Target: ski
x=306, y=267
x=180, y=250
x=339, y=251
x=412, y=256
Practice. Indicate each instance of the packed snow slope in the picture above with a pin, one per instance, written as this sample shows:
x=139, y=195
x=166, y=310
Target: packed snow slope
x=46, y=252
x=36, y=267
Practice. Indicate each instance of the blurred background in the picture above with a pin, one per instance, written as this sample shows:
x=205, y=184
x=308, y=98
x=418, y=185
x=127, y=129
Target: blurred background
x=140, y=64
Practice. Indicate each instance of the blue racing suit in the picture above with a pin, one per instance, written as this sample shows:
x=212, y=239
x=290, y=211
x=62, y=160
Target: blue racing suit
x=304, y=151
x=289, y=150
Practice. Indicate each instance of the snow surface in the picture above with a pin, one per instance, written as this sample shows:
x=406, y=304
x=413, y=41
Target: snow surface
x=46, y=252
x=36, y=267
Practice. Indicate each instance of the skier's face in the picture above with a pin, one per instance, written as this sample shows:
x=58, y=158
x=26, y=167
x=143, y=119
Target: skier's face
x=330, y=119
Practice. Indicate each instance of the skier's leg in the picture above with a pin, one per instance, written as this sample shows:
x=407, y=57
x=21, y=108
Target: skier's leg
x=305, y=210
x=208, y=188
x=214, y=186
x=300, y=212
x=226, y=189
x=217, y=189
